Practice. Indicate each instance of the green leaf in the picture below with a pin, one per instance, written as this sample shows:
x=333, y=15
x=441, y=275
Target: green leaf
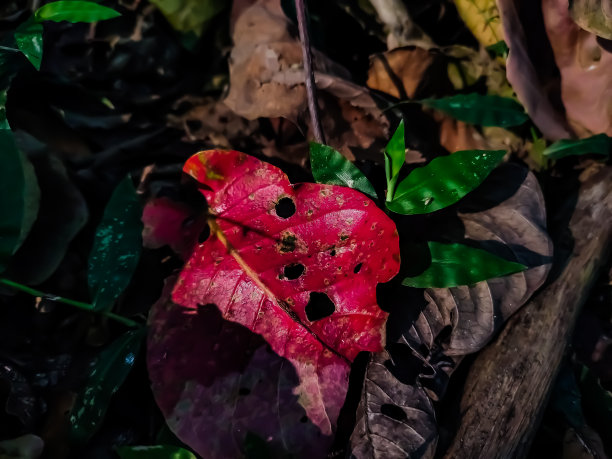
x=190, y=16
x=396, y=151
x=74, y=11
x=444, y=181
x=29, y=41
x=108, y=373
x=458, y=264
x=19, y=197
x=500, y=48
x=330, y=167
x=478, y=109
x=599, y=144
x=117, y=246
x=154, y=452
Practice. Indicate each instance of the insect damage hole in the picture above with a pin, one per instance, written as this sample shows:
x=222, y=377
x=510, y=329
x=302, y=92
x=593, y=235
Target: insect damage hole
x=357, y=268
x=393, y=412
x=293, y=271
x=319, y=306
x=204, y=234
x=285, y=208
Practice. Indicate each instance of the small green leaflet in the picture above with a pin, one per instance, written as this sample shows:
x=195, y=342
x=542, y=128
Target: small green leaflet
x=117, y=246
x=444, y=181
x=154, y=452
x=457, y=264
x=74, y=11
x=29, y=41
x=475, y=108
x=330, y=167
x=190, y=16
x=599, y=144
x=110, y=370
x=19, y=197
x=395, y=152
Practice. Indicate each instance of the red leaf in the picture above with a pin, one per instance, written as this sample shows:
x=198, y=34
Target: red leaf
x=296, y=264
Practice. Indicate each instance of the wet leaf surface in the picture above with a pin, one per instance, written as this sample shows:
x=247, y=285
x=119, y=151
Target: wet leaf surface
x=74, y=11
x=117, y=246
x=443, y=181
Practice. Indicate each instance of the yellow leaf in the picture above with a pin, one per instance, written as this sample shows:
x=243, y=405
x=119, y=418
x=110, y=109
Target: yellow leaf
x=482, y=18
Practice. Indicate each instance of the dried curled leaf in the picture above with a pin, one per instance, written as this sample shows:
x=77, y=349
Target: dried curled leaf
x=394, y=420
x=519, y=223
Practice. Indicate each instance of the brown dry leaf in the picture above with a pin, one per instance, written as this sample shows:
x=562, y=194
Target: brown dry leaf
x=586, y=71
x=514, y=227
x=212, y=121
x=394, y=420
x=266, y=80
x=399, y=72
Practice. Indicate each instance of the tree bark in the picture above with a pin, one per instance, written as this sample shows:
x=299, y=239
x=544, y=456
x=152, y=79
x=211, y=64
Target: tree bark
x=509, y=383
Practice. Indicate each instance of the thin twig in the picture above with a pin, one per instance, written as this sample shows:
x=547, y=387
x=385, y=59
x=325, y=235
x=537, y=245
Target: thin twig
x=311, y=88
x=74, y=303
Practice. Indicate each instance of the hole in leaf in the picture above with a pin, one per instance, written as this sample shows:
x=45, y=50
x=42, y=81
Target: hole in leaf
x=393, y=412
x=204, y=234
x=244, y=391
x=333, y=253
x=285, y=208
x=304, y=419
x=293, y=271
x=357, y=268
x=319, y=306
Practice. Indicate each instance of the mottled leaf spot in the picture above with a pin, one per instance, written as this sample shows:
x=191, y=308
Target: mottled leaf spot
x=287, y=243
x=204, y=234
x=357, y=268
x=244, y=391
x=293, y=271
x=393, y=412
x=319, y=306
x=285, y=208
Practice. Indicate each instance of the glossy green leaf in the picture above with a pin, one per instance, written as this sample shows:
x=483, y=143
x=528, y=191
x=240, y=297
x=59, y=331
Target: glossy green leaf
x=154, y=452
x=19, y=197
x=475, y=108
x=396, y=151
x=444, y=181
x=599, y=144
x=117, y=246
x=29, y=41
x=74, y=11
x=458, y=264
x=108, y=373
x=330, y=167
x=190, y=16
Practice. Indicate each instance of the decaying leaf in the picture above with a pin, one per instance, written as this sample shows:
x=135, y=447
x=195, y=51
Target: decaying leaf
x=216, y=381
x=482, y=18
x=586, y=71
x=394, y=420
x=518, y=222
x=593, y=15
x=266, y=80
x=297, y=265
x=524, y=76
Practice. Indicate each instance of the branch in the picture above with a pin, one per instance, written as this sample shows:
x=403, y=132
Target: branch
x=311, y=88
